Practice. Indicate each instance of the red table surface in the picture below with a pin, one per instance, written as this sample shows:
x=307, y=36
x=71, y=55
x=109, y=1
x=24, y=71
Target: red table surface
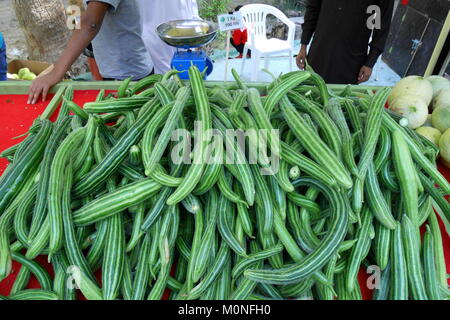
x=17, y=117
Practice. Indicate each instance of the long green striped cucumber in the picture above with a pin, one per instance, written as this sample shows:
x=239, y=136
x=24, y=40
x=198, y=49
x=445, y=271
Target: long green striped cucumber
x=293, y=219
x=278, y=195
x=262, y=118
x=116, y=155
x=142, y=274
x=166, y=242
x=381, y=245
x=306, y=231
x=240, y=168
x=199, y=231
x=195, y=171
x=224, y=283
x=88, y=288
x=115, y=202
x=304, y=202
x=315, y=146
x=164, y=93
x=87, y=143
x=35, y=294
x=10, y=152
x=127, y=281
x=113, y=257
x=40, y=241
x=358, y=251
x=24, y=209
x=405, y=168
x=311, y=263
x=293, y=250
x=425, y=210
x=382, y=292
x=56, y=181
x=297, y=289
x=6, y=220
x=220, y=97
x=12, y=183
x=413, y=262
x=399, y=273
x=438, y=248
x=95, y=254
x=331, y=132
x=42, y=276
x=225, y=226
x=64, y=110
x=335, y=111
x=64, y=273
x=161, y=176
x=172, y=120
x=295, y=158
x=264, y=200
x=238, y=104
x=145, y=83
x=224, y=184
x=156, y=210
x=432, y=283
x=376, y=200
x=388, y=178
x=116, y=105
x=21, y=281
x=280, y=91
x=123, y=90
x=372, y=130
x=138, y=213
x=243, y=264
x=71, y=245
x=243, y=212
x=247, y=286
x=437, y=195
x=327, y=293
x=210, y=176
x=384, y=150
x=421, y=160
x=54, y=103
x=201, y=257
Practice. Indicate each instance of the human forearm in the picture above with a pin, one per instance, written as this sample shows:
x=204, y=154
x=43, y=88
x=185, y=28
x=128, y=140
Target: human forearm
x=79, y=41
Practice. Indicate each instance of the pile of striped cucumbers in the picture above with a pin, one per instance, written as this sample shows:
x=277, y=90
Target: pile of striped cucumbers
x=327, y=183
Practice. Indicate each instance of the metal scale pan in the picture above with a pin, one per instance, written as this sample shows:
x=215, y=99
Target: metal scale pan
x=188, y=35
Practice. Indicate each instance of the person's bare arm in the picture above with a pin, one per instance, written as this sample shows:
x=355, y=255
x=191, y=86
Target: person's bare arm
x=91, y=22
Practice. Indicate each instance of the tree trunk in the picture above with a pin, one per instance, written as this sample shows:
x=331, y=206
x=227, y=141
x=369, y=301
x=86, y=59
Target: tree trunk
x=44, y=24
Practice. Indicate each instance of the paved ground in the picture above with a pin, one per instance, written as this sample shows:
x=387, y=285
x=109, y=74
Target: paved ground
x=382, y=74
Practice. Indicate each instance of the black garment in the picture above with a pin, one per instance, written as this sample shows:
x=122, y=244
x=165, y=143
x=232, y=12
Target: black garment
x=341, y=37
x=238, y=47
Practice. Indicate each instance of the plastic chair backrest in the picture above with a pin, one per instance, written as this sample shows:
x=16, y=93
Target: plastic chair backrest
x=255, y=17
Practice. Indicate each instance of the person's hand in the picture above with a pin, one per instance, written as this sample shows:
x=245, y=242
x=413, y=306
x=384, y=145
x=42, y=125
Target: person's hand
x=301, y=58
x=41, y=86
x=364, y=74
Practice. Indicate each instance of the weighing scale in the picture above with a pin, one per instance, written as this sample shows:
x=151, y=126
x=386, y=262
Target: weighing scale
x=186, y=36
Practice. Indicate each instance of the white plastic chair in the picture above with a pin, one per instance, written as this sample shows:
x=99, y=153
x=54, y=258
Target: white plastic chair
x=255, y=17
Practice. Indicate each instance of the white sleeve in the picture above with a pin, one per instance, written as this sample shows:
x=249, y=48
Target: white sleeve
x=195, y=14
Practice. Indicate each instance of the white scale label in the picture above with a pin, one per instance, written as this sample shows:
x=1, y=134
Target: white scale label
x=228, y=22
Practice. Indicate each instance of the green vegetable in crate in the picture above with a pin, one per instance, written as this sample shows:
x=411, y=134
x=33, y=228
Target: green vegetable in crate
x=302, y=235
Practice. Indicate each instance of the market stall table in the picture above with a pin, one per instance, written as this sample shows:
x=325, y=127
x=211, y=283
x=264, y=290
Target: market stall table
x=17, y=116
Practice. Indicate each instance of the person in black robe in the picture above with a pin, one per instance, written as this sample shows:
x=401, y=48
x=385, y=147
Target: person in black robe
x=339, y=49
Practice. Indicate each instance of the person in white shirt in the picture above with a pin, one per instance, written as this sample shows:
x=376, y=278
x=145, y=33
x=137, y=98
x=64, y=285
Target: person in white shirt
x=156, y=12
